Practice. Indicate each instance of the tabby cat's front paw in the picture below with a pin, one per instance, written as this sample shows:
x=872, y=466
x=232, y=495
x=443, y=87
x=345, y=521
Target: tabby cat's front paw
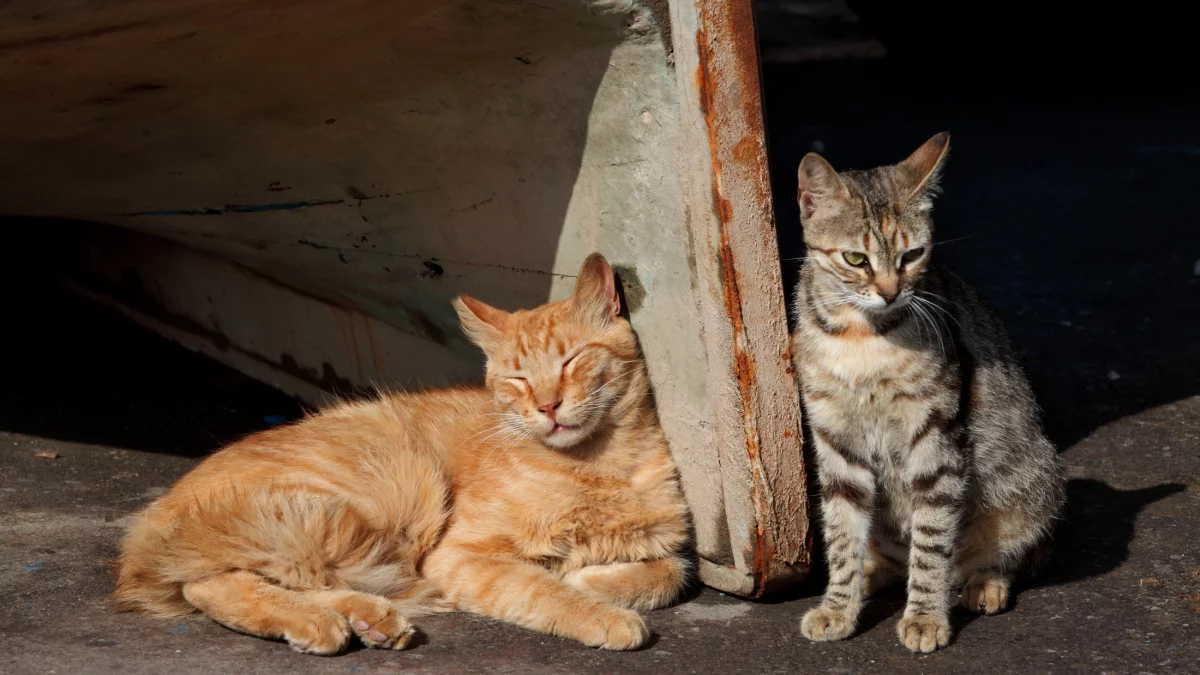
x=924, y=632
x=825, y=624
x=623, y=629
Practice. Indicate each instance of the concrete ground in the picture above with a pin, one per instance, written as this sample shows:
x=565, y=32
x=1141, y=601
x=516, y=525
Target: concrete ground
x=1076, y=217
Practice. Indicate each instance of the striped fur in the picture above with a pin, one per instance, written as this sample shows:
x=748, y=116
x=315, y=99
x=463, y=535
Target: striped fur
x=548, y=499
x=928, y=441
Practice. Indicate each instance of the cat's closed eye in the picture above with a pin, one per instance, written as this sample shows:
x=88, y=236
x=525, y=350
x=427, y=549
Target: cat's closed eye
x=570, y=360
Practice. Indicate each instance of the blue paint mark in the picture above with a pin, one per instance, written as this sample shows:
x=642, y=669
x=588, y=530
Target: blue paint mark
x=275, y=419
x=178, y=212
x=238, y=208
x=178, y=630
x=354, y=669
x=36, y=566
x=287, y=206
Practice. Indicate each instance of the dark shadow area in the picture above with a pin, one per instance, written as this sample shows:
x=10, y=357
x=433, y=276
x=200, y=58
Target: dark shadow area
x=1058, y=43
x=1068, y=202
x=77, y=371
x=1097, y=529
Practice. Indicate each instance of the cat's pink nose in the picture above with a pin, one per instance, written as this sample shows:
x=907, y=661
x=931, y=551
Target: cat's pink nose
x=550, y=409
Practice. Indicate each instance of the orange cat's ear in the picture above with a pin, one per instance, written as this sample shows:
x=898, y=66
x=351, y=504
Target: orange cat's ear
x=480, y=321
x=596, y=290
x=923, y=168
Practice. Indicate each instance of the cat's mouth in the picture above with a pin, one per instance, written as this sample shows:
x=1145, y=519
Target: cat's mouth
x=565, y=428
x=880, y=308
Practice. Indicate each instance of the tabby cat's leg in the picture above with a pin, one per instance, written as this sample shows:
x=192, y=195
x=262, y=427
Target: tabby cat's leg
x=935, y=474
x=250, y=604
x=374, y=619
x=527, y=595
x=995, y=544
x=847, y=496
x=648, y=584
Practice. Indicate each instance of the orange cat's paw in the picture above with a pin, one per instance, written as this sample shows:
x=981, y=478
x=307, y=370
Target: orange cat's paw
x=379, y=625
x=372, y=618
x=623, y=629
x=324, y=633
x=986, y=593
x=924, y=632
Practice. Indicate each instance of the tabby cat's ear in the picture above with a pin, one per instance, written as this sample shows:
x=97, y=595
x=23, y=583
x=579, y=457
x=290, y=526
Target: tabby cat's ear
x=923, y=169
x=480, y=321
x=819, y=184
x=596, y=291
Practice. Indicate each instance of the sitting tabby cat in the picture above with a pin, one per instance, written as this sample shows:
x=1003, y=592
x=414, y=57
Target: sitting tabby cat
x=548, y=499
x=929, y=447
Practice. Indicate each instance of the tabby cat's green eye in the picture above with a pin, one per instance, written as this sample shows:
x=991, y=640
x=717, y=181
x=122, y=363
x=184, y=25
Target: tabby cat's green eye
x=913, y=255
x=855, y=258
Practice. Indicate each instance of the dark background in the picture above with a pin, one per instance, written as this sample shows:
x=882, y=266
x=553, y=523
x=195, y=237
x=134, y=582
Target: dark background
x=1071, y=195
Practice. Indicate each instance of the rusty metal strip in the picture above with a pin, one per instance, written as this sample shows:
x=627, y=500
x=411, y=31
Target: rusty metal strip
x=727, y=81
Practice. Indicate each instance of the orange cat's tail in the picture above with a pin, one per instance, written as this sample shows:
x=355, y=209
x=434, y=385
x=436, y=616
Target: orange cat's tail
x=295, y=539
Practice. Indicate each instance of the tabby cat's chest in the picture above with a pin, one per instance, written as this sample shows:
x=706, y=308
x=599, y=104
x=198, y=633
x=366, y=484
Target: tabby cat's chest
x=868, y=389
x=862, y=369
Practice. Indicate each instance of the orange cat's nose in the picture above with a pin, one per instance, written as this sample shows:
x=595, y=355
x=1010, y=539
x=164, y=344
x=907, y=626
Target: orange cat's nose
x=550, y=409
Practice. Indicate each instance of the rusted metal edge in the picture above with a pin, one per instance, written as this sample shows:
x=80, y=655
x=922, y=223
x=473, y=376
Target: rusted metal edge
x=727, y=82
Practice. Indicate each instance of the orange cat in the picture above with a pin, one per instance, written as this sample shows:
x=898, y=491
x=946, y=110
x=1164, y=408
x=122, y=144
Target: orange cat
x=547, y=499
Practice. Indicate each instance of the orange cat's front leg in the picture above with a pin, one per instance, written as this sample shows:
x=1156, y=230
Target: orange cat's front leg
x=250, y=604
x=527, y=594
x=647, y=584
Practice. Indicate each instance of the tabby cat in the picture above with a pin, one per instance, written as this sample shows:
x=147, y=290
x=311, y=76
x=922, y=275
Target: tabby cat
x=930, y=453
x=547, y=499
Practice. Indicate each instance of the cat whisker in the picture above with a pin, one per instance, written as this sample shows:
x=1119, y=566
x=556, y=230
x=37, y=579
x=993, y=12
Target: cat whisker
x=948, y=241
x=933, y=327
x=929, y=295
x=941, y=312
x=609, y=383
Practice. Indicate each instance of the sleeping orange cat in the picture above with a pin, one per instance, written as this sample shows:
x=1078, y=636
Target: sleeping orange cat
x=547, y=499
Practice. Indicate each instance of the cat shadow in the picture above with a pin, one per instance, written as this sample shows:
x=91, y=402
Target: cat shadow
x=1097, y=528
